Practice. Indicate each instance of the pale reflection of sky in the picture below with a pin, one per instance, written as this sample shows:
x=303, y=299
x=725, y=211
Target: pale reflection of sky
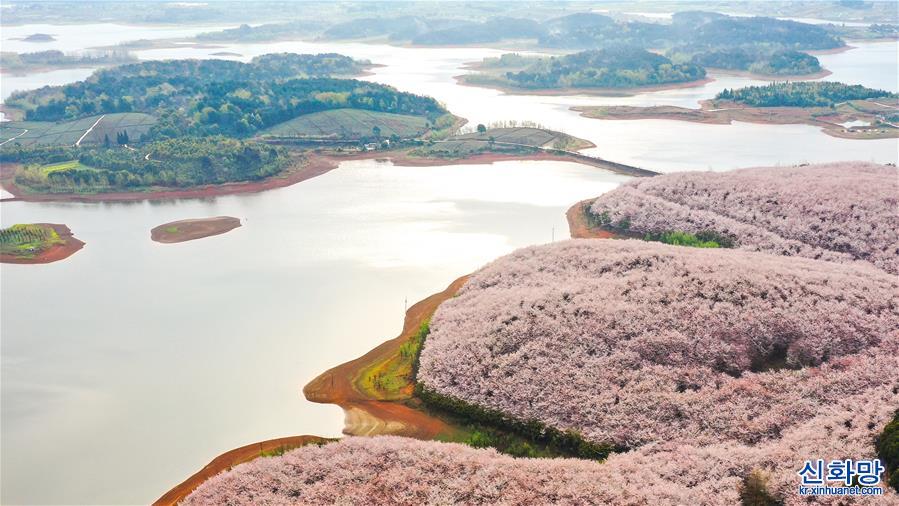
x=180, y=352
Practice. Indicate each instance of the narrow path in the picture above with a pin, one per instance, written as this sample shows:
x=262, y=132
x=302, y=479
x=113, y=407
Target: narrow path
x=14, y=138
x=89, y=130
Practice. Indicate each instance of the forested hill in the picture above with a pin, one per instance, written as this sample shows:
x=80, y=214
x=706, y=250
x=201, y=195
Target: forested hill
x=186, y=123
x=211, y=97
x=800, y=94
x=620, y=67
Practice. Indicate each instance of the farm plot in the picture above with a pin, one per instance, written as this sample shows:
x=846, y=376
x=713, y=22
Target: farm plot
x=350, y=124
x=536, y=137
x=29, y=133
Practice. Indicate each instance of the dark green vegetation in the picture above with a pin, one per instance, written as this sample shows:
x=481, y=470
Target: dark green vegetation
x=754, y=491
x=174, y=163
x=27, y=61
x=888, y=451
x=780, y=62
x=801, y=94
x=623, y=67
x=190, y=122
x=705, y=239
x=26, y=241
x=528, y=438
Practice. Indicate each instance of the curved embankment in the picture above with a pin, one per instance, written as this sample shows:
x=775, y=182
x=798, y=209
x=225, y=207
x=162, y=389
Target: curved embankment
x=315, y=165
x=367, y=415
x=232, y=458
x=189, y=230
x=54, y=253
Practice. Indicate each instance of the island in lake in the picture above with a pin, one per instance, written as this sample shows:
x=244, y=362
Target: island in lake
x=612, y=71
x=188, y=230
x=43, y=61
x=851, y=112
x=37, y=243
x=39, y=37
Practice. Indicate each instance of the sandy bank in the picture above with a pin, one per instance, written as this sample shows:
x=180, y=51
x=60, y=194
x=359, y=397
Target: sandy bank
x=230, y=459
x=53, y=253
x=601, y=92
x=367, y=415
x=766, y=77
x=188, y=230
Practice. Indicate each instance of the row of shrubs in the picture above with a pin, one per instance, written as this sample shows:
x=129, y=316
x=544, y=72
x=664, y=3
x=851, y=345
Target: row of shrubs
x=701, y=239
x=566, y=442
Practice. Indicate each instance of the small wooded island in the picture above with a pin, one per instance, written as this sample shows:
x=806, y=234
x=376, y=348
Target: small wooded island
x=601, y=71
x=37, y=243
x=841, y=110
x=188, y=230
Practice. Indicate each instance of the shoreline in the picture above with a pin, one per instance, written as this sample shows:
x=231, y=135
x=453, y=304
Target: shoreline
x=315, y=165
x=765, y=77
x=829, y=124
x=233, y=458
x=600, y=92
x=578, y=225
x=364, y=414
x=55, y=253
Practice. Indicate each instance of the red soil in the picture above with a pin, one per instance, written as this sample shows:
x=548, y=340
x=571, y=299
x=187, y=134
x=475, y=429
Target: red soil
x=577, y=223
x=315, y=164
x=53, y=253
x=230, y=459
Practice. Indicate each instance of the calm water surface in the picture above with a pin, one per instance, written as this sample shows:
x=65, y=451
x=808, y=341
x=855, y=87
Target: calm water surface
x=131, y=364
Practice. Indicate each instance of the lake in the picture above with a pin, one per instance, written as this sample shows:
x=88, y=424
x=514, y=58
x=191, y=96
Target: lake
x=130, y=365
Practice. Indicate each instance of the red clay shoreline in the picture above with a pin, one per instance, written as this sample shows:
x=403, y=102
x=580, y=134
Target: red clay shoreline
x=52, y=254
x=316, y=165
x=230, y=459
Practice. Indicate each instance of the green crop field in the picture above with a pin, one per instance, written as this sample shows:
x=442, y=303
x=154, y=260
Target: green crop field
x=27, y=240
x=64, y=166
x=350, y=124
x=28, y=133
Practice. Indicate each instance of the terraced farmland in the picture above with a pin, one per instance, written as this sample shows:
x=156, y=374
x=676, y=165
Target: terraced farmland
x=28, y=133
x=350, y=124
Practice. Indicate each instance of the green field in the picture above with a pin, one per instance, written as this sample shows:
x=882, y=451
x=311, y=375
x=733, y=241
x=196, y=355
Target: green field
x=527, y=136
x=29, y=133
x=350, y=124
x=64, y=166
x=27, y=240
x=507, y=140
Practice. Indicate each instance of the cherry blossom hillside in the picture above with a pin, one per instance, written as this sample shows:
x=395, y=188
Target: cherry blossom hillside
x=839, y=211
x=704, y=353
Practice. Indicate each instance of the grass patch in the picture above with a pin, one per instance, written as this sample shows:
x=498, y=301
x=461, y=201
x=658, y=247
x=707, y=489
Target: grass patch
x=394, y=378
x=704, y=239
